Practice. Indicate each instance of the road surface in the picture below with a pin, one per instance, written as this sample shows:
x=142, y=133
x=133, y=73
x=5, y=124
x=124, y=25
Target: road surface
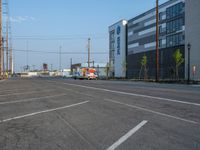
x=63, y=114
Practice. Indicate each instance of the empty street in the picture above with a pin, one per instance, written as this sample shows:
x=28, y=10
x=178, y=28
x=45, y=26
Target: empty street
x=53, y=114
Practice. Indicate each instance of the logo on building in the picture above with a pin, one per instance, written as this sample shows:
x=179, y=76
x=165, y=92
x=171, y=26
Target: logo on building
x=118, y=30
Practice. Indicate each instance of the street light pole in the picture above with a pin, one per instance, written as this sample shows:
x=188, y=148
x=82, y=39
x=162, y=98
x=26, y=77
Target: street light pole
x=189, y=47
x=1, y=43
x=60, y=61
x=88, y=52
x=71, y=66
x=157, y=38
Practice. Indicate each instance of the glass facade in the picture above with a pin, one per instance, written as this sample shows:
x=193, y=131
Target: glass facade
x=171, y=37
x=112, y=52
x=112, y=45
x=175, y=25
x=176, y=39
x=112, y=36
x=160, y=29
x=175, y=10
x=160, y=16
x=160, y=43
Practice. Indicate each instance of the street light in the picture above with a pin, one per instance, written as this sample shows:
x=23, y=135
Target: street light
x=189, y=47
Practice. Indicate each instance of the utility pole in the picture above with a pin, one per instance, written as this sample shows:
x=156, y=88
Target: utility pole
x=33, y=67
x=71, y=66
x=27, y=62
x=11, y=68
x=88, y=52
x=1, y=43
x=11, y=60
x=60, y=65
x=7, y=30
x=93, y=63
x=7, y=38
x=157, y=40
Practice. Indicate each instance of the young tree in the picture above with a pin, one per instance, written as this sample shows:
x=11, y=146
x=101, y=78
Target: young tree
x=107, y=69
x=124, y=65
x=143, y=66
x=178, y=58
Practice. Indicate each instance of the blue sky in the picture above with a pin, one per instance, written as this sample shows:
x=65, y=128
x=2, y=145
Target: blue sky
x=49, y=24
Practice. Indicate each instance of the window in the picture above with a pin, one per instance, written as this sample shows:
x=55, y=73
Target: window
x=160, y=16
x=112, y=45
x=112, y=35
x=175, y=10
x=147, y=31
x=148, y=45
x=175, y=25
x=160, y=29
x=112, y=54
x=160, y=43
x=133, y=45
x=174, y=40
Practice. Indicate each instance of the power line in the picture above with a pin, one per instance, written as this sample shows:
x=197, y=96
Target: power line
x=64, y=35
x=55, y=38
x=54, y=52
x=59, y=37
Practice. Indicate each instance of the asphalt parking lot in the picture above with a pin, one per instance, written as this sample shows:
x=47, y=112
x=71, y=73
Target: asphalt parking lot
x=62, y=114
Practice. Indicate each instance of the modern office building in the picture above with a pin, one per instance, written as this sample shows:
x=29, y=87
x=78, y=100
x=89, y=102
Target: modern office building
x=117, y=49
x=179, y=24
x=142, y=40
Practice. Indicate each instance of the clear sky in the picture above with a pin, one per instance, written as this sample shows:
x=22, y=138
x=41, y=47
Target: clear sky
x=46, y=25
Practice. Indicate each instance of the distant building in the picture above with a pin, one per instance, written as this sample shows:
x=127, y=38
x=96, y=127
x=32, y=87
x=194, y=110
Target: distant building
x=66, y=72
x=75, y=68
x=28, y=74
x=179, y=24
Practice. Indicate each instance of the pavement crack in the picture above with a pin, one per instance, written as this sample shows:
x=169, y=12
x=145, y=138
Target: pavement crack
x=75, y=130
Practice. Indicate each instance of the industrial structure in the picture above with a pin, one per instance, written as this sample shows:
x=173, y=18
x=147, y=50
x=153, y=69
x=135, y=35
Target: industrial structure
x=178, y=27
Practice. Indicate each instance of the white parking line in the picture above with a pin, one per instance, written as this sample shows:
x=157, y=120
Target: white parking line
x=134, y=94
x=16, y=90
x=30, y=99
x=196, y=85
x=126, y=136
x=41, y=112
x=151, y=111
x=141, y=108
x=12, y=90
x=31, y=92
